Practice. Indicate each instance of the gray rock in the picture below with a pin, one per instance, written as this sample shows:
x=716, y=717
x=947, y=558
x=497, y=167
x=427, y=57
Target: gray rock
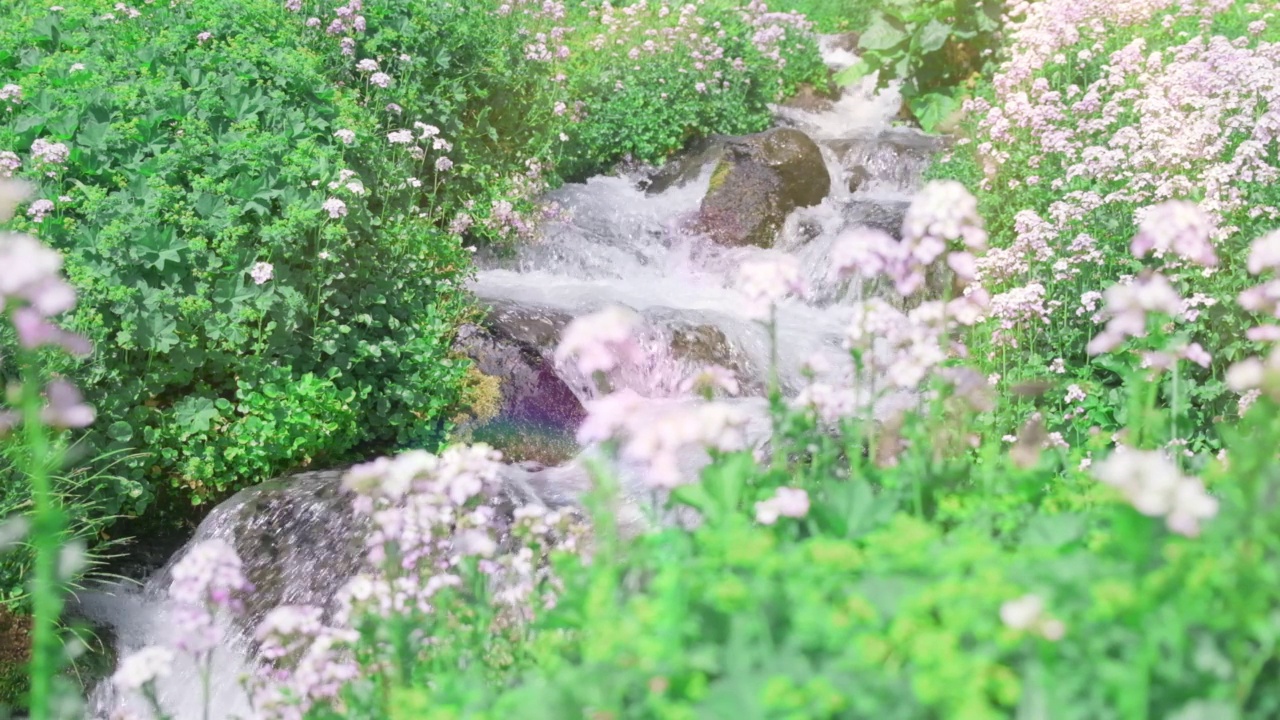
x=758, y=181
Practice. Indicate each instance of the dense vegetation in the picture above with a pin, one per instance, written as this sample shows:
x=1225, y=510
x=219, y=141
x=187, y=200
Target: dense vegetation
x=266, y=207
x=1068, y=510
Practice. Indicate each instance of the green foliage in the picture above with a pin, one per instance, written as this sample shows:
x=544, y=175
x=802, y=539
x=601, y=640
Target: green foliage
x=887, y=600
x=933, y=48
x=190, y=163
x=832, y=16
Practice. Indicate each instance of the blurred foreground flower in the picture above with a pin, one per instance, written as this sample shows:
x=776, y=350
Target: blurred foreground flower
x=1154, y=485
x=786, y=502
x=601, y=341
x=1027, y=614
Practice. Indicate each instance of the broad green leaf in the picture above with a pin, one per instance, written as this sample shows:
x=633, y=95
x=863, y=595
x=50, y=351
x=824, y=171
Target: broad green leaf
x=932, y=36
x=195, y=414
x=853, y=73
x=883, y=34
x=932, y=109
x=120, y=431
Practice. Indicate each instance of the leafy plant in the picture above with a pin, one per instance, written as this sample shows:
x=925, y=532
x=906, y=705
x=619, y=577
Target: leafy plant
x=933, y=48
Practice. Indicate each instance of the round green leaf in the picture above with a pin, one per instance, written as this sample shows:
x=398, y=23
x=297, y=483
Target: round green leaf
x=120, y=431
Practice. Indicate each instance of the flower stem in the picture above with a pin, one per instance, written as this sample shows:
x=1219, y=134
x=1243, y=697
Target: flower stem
x=45, y=598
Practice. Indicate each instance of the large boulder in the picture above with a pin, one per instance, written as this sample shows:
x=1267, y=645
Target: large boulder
x=758, y=181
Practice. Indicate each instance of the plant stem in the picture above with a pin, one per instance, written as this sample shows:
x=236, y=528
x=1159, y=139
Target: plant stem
x=46, y=602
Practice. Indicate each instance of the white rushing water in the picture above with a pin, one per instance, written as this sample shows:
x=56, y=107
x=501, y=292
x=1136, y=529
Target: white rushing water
x=619, y=245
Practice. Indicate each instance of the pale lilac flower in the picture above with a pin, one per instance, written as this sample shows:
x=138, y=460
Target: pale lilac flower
x=313, y=22
x=293, y=5
x=9, y=164
x=608, y=416
x=400, y=137
x=710, y=379
x=1128, y=305
x=287, y=630
x=786, y=502
x=1178, y=226
x=209, y=575
x=1264, y=253
x=942, y=211
x=460, y=223
x=39, y=210
x=413, y=182
x=767, y=282
x=207, y=578
x=49, y=153
x=66, y=408
x=11, y=93
x=1154, y=485
x=441, y=144
x=380, y=79
x=34, y=331
x=600, y=341
x=443, y=164
x=144, y=666
x=262, y=272
x=76, y=67
x=346, y=136
x=394, y=109
x=428, y=131
x=1197, y=354
x=863, y=251
x=335, y=207
x=202, y=37
x=367, y=65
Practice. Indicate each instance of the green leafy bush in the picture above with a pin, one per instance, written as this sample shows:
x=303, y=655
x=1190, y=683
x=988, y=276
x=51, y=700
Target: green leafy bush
x=191, y=162
x=933, y=48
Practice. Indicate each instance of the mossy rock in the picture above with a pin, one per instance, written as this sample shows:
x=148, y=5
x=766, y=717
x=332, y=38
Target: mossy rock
x=758, y=181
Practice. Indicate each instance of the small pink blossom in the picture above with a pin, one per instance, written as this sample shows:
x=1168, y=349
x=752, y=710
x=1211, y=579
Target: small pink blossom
x=335, y=207
x=262, y=272
x=786, y=502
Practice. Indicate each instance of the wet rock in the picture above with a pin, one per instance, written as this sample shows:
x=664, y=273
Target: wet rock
x=702, y=345
x=886, y=215
x=857, y=177
x=812, y=99
x=758, y=181
x=537, y=414
x=896, y=157
x=298, y=538
x=847, y=42
x=686, y=166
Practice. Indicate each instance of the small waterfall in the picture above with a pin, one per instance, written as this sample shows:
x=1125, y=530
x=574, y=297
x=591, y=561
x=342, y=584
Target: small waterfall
x=622, y=242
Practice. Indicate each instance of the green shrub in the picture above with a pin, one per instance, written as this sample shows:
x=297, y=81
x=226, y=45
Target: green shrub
x=933, y=48
x=190, y=162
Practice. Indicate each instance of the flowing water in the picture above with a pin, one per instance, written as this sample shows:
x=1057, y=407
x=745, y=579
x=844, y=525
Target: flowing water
x=620, y=244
